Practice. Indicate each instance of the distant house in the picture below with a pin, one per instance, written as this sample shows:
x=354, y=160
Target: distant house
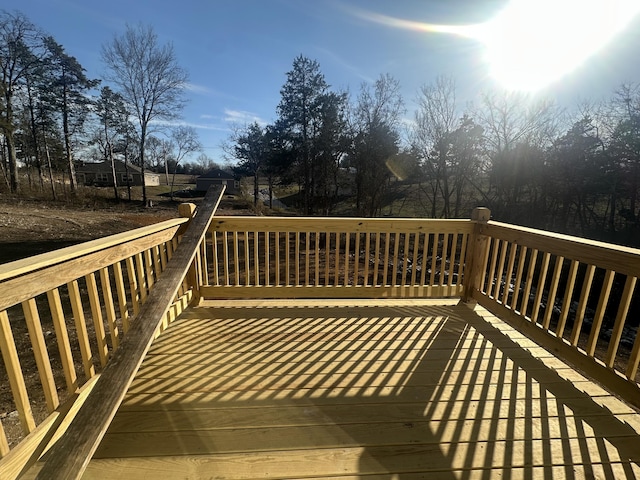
x=100, y=174
x=218, y=177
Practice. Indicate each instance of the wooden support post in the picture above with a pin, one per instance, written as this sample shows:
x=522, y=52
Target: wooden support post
x=478, y=244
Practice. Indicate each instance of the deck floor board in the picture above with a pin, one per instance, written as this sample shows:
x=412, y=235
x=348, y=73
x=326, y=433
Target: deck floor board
x=403, y=389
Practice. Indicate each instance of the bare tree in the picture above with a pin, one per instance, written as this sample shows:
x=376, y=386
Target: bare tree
x=148, y=77
x=185, y=140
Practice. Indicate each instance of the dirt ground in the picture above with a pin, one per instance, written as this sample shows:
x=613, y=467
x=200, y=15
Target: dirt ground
x=30, y=227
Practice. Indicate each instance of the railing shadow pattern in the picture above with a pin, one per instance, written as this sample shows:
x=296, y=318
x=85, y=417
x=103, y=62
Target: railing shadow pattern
x=384, y=391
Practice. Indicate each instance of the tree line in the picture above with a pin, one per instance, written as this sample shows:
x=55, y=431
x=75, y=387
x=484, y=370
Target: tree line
x=528, y=160
x=524, y=157
x=50, y=111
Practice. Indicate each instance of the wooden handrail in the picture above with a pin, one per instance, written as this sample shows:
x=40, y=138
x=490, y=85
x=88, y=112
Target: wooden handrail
x=71, y=454
x=622, y=259
x=26, y=265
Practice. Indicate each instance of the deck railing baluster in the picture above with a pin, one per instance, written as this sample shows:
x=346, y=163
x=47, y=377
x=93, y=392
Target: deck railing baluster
x=43, y=363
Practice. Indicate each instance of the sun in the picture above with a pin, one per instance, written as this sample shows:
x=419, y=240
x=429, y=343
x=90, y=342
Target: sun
x=532, y=43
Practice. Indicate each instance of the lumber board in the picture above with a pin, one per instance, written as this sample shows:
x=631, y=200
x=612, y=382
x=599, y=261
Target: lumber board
x=406, y=431
x=22, y=266
x=338, y=225
x=550, y=412
x=371, y=460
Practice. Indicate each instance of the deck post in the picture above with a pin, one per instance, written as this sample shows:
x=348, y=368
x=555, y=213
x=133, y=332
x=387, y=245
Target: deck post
x=478, y=244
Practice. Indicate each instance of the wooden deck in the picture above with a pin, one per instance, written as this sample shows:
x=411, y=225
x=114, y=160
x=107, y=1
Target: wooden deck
x=361, y=389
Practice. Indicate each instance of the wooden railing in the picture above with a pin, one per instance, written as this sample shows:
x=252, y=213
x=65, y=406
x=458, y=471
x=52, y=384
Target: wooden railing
x=564, y=290
x=64, y=314
x=572, y=295
x=336, y=257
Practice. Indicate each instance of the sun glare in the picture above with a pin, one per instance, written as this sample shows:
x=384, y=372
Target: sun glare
x=532, y=43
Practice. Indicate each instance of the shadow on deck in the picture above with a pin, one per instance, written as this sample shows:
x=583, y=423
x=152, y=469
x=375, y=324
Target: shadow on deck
x=361, y=389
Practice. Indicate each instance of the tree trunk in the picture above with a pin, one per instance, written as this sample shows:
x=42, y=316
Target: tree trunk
x=53, y=186
x=143, y=134
x=67, y=141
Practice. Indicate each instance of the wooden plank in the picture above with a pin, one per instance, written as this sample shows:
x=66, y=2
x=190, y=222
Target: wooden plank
x=62, y=255
x=568, y=295
x=621, y=317
x=414, y=260
x=405, y=259
x=122, y=296
x=143, y=282
x=336, y=255
x=531, y=267
x=385, y=262
x=425, y=256
x=226, y=258
x=287, y=258
x=406, y=430
x=327, y=257
x=582, y=304
x=81, y=329
x=337, y=225
x=347, y=255
x=133, y=285
x=396, y=250
x=452, y=261
x=109, y=307
x=71, y=454
x=148, y=268
x=215, y=260
x=509, y=273
x=4, y=444
x=62, y=337
x=551, y=298
x=356, y=259
x=40, y=353
x=96, y=315
x=317, y=258
x=340, y=291
x=542, y=278
x=14, y=372
x=499, y=270
x=376, y=265
x=602, y=305
x=519, y=273
x=370, y=460
x=247, y=260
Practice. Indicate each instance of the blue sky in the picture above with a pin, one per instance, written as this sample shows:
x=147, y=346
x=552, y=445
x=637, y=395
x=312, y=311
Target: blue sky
x=237, y=52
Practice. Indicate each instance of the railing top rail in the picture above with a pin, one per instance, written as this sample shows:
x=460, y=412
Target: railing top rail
x=340, y=224
x=625, y=260
x=71, y=454
x=37, y=262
